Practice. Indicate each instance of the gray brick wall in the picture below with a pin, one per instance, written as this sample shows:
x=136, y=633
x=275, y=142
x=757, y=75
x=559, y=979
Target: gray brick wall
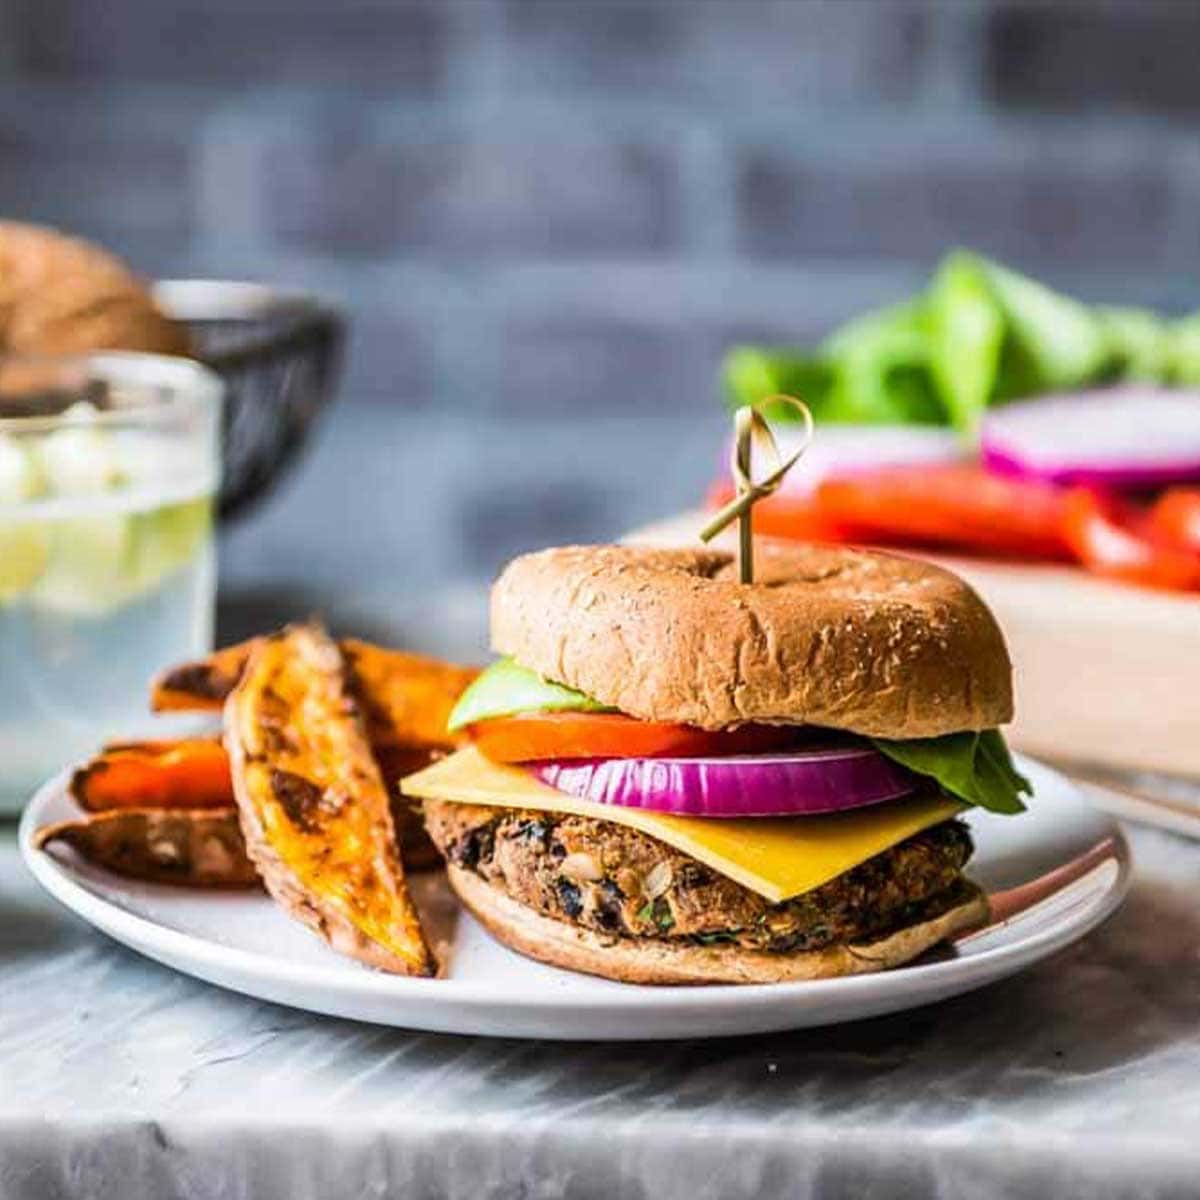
x=547, y=217
x=1070, y=57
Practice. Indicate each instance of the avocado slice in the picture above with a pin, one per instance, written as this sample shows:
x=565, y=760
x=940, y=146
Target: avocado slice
x=506, y=688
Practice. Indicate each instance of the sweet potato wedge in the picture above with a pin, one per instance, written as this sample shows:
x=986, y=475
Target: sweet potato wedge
x=202, y=685
x=201, y=848
x=191, y=773
x=314, y=809
x=405, y=698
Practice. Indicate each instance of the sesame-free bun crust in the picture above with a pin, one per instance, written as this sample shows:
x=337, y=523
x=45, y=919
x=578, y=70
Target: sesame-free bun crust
x=60, y=295
x=872, y=643
x=657, y=960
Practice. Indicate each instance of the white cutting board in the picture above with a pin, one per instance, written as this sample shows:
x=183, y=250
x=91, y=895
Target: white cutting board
x=1105, y=673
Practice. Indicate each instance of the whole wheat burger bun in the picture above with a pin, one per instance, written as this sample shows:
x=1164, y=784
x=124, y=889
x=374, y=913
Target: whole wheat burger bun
x=872, y=643
x=60, y=295
x=657, y=960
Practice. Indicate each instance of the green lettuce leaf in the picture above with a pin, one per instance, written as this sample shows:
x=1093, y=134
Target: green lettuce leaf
x=881, y=372
x=1139, y=343
x=980, y=334
x=975, y=767
x=1184, y=351
x=872, y=371
x=506, y=688
x=966, y=333
x=1054, y=342
x=752, y=373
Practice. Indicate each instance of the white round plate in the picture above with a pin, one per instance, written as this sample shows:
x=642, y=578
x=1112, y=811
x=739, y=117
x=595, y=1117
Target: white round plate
x=1053, y=874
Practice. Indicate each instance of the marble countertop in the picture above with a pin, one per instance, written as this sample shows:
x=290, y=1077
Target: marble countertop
x=121, y=1079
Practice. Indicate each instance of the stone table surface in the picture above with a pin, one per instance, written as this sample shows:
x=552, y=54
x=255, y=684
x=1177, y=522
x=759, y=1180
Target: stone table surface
x=121, y=1079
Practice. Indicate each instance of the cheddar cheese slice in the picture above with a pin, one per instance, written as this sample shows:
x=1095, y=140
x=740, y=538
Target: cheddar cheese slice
x=777, y=857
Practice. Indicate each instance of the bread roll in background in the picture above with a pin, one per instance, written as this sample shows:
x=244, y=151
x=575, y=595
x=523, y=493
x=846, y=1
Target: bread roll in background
x=60, y=295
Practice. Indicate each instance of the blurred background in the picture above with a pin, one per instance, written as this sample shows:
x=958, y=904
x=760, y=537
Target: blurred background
x=547, y=218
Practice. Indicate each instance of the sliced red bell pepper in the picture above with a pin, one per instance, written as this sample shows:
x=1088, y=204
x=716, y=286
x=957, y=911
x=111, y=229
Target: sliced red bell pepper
x=1116, y=539
x=955, y=506
x=946, y=506
x=1175, y=518
x=787, y=515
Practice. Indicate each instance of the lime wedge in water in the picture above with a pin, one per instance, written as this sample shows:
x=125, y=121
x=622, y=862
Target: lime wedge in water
x=88, y=569
x=20, y=477
x=23, y=543
x=113, y=552
x=80, y=461
x=100, y=563
x=24, y=549
x=169, y=538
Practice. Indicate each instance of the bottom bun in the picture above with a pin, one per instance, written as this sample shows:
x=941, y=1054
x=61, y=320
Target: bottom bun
x=651, y=960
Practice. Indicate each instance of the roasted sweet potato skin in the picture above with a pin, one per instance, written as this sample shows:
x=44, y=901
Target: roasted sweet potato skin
x=405, y=698
x=191, y=773
x=164, y=810
x=314, y=808
x=198, y=848
x=202, y=685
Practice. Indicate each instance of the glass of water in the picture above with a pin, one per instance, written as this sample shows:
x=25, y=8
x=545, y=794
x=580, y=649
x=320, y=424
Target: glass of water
x=109, y=467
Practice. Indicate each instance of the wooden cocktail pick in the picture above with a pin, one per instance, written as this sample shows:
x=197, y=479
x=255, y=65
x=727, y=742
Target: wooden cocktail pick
x=750, y=426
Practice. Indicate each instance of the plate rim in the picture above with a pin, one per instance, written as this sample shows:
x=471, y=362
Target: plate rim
x=168, y=946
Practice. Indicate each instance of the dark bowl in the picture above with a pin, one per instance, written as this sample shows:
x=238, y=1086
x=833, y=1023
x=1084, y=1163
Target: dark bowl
x=279, y=354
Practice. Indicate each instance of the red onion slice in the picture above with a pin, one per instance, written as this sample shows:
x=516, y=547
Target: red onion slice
x=753, y=785
x=1125, y=437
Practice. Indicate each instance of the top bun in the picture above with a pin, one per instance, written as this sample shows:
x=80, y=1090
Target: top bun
x=59, y=295
x=872, y=643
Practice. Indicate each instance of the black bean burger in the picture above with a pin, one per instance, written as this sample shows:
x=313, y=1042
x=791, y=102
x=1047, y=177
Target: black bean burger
x=676, y=777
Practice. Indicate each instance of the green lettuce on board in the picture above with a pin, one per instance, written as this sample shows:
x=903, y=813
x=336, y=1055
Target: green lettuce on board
x=978, y=334
x=1140, y=343
x=753, y=373
x=883, y=370
x=1052, y=343
x=1184, y=351
x=965, y=332
x=873, y=371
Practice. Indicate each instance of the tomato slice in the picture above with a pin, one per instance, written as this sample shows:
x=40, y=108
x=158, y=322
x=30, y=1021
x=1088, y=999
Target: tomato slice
x=529, y=737
x=1117, y=540
x=1175, y=518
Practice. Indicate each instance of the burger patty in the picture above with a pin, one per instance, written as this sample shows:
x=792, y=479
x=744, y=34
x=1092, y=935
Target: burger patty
x=615, y=880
